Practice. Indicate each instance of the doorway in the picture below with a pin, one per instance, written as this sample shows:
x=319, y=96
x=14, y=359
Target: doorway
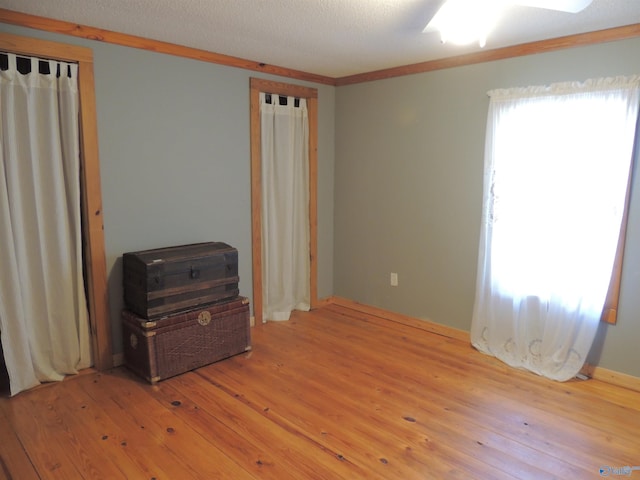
x=311, y=96
x=91, y=196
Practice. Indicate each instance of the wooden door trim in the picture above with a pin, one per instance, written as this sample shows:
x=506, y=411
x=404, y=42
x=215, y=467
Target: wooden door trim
x=92, y=225
x=311, y=95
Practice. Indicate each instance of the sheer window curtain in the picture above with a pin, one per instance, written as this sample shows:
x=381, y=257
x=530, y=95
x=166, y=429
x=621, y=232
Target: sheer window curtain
x=285, y=206
x=43, y=315
x=557, y=163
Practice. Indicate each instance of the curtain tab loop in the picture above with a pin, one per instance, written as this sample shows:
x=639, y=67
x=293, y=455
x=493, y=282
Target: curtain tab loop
x=13, y=63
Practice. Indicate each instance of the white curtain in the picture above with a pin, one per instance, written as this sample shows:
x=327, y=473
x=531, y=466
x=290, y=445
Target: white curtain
x=285, y=207
x=557, y=163
x=43, y=313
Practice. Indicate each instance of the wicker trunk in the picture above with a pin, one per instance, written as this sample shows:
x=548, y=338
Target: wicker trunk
x=175, y=344
x=163, y=281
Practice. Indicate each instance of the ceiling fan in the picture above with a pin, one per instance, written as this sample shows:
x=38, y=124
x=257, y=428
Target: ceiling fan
x=467, y=21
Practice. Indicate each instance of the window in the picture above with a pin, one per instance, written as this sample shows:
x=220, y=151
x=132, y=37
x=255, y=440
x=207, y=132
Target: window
x=557, y=165
x=561, y=164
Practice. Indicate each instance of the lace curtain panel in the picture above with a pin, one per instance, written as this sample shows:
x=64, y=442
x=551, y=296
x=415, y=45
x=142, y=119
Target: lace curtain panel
x=557, y=164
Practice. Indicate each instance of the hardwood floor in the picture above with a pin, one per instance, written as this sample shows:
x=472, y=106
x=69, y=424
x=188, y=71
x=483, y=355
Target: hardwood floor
x=331, y=394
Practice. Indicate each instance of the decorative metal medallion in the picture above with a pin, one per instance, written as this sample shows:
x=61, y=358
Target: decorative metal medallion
x=204, y=318
x=133, y=340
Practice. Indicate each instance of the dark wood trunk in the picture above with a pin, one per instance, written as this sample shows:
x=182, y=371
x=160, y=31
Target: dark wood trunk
x=165, y=281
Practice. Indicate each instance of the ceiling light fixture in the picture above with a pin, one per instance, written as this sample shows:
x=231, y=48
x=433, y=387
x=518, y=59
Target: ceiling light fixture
x=466, y=21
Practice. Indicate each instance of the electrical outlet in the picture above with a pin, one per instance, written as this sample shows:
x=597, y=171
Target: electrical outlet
x=394, y=279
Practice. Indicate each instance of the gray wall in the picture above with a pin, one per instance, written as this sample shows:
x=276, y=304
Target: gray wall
x=175, y=158
x=408, y=189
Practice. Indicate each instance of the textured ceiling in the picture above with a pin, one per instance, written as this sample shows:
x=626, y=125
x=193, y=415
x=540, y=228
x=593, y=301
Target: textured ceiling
x=334, y=38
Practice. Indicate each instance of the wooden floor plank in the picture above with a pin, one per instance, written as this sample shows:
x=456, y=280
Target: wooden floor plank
x=160, y=434
x=14, y=460
x=309, y=398
x=49, y=443
x=143, y=444
x=122, y=442
x=335, y=393
x=517, y=427
x=501, y=402
x=211, y=422
x=363, y=445
x=398, y=452
x=289, y=446
x=436, y=432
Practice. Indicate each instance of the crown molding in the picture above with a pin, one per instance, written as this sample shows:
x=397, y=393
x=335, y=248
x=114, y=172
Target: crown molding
x=107, y=36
